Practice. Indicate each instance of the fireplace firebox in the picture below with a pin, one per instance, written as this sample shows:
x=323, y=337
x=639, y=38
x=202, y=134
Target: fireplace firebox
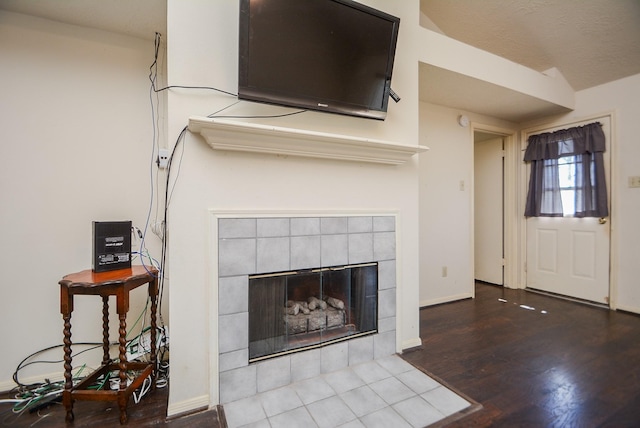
x=298, y=310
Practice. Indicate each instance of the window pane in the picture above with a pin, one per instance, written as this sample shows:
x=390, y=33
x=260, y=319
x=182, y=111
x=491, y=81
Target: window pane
x=567, y=179
x=568, y=202
x=567, y=172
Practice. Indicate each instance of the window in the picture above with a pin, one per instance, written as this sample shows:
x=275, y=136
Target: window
x=567, y=173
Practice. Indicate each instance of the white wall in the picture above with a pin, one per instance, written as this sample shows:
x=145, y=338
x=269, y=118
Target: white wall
x=76, y=145
x=206, y=54
x=446, y=208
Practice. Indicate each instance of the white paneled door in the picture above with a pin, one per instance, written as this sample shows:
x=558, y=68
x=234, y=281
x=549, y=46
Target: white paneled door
x=570, y=256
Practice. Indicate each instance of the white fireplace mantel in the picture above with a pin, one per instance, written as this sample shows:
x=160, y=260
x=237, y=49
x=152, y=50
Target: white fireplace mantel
x=224, y=134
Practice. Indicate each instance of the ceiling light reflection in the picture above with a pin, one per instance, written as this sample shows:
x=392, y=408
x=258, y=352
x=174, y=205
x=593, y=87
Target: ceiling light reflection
x=530, y=308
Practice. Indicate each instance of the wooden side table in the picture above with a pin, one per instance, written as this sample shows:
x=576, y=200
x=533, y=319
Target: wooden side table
x=113, y=283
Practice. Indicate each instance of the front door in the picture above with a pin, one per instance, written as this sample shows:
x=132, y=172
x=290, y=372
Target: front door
x=567, y=255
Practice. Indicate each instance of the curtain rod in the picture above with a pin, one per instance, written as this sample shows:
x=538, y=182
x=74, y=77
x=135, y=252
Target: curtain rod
x=593, y=118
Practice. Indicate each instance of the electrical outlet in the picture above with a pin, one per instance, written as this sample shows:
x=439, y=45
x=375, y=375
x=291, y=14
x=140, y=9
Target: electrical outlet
x=163, y=158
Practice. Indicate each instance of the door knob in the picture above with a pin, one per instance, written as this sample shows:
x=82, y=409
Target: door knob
x=602, y=220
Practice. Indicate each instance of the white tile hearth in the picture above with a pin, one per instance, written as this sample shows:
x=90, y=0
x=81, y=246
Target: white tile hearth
x=356, y=383
x=387, y=392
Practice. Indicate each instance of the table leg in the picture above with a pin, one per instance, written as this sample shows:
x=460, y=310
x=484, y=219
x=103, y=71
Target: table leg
x=68, y=384
x=106, y=359
x=122, y=399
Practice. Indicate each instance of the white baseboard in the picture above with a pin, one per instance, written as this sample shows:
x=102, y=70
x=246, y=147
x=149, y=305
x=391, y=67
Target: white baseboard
x=186, y=406
x=628, y=309
x=445, y=299
x=411, y=343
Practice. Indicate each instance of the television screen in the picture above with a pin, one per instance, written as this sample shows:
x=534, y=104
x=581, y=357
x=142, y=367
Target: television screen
x=329, y=55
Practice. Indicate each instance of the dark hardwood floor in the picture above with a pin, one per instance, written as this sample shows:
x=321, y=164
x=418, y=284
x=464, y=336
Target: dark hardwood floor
x=573, y=365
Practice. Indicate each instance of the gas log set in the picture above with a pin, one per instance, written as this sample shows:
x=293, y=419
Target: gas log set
x=314, y=314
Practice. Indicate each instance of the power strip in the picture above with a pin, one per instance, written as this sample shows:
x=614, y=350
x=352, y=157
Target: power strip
x=141, y=345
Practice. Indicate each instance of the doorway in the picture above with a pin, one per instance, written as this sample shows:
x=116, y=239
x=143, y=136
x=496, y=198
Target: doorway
x=489, y=196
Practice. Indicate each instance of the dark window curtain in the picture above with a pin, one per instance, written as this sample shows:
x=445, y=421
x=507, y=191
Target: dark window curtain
x=585, y=143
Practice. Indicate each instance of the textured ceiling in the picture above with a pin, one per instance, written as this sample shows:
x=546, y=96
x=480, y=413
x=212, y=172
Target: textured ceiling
x=591, y=42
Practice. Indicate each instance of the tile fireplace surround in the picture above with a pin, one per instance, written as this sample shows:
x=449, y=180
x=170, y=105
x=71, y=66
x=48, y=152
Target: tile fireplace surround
x=258, y=244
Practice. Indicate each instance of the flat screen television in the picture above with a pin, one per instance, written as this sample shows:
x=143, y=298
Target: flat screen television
x=328, y=55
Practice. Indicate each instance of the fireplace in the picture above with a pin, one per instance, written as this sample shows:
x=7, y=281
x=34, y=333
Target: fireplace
x=309, y=253
x=297, y=310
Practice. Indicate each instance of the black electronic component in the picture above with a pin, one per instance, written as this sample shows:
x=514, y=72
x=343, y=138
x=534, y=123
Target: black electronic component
x=111, y=245
x=327, y=55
